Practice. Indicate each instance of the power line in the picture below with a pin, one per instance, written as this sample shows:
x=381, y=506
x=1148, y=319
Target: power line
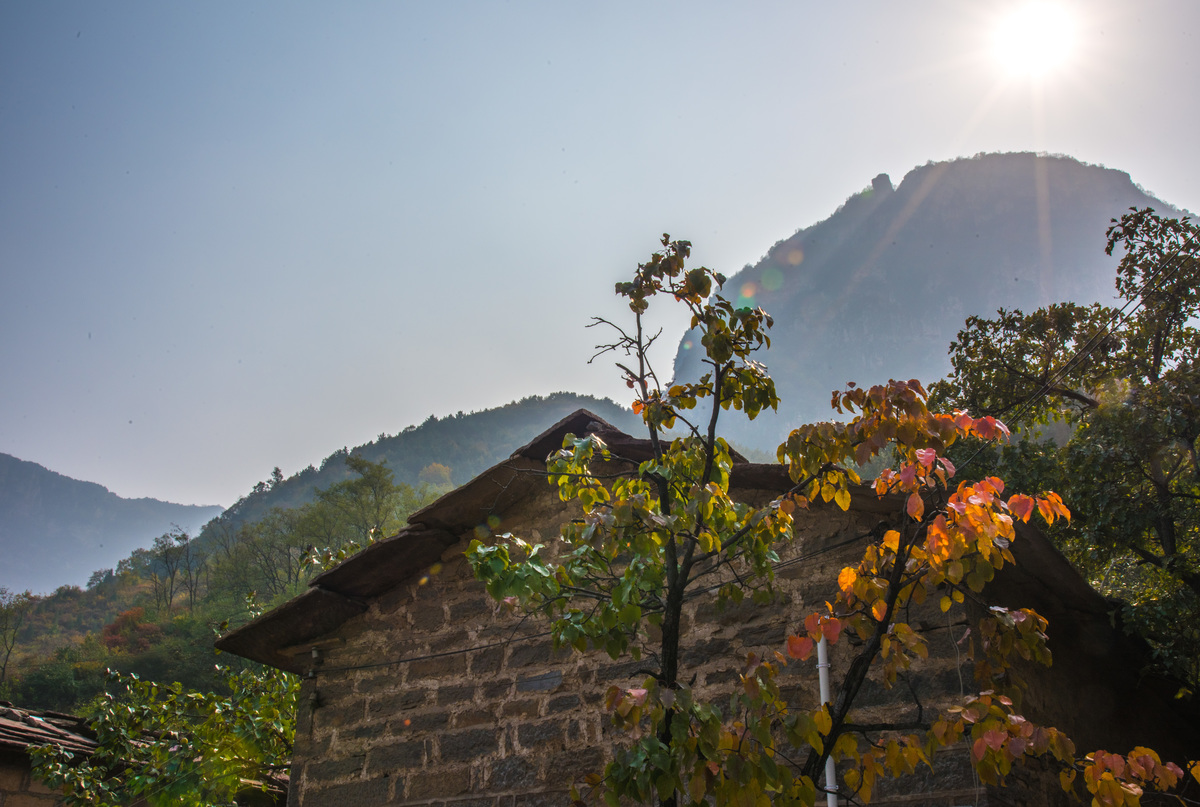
x=1096, y=340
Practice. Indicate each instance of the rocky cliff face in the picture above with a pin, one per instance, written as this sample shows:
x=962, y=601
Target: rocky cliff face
x=880, y=288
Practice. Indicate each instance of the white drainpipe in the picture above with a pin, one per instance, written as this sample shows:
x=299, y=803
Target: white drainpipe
x=831, y=799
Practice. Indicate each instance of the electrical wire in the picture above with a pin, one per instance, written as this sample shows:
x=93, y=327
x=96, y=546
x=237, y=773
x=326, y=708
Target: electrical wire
x=1097, y=338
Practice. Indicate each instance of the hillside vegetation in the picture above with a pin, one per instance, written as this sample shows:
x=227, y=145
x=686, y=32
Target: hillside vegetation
x=155, y=612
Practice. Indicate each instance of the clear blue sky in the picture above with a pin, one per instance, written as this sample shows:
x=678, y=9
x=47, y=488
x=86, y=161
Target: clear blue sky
x=240, y=235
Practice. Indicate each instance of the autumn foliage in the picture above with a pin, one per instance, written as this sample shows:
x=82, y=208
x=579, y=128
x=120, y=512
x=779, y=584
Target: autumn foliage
x=618, y=575
x=129, y=633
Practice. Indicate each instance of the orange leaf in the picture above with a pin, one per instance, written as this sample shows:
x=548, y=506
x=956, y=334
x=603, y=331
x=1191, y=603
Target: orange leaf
x=1046, y=509
x=800, y=647
x=915, y=506
x=832, y=629
x=1021, y=506
x=812, y=623
x=937, y=538
x=879, y=610
x=846, y=579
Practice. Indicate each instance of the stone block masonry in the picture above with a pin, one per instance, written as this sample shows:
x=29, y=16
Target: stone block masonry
x=437, y=696
x=18, y=788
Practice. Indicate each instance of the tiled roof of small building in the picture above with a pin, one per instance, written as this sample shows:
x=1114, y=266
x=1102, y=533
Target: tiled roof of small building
x=21, y=729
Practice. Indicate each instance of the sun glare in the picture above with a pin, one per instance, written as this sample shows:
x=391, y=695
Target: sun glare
x=1034, y=39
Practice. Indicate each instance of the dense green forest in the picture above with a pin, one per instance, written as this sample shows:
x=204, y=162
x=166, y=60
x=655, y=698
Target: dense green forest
x=155, y=613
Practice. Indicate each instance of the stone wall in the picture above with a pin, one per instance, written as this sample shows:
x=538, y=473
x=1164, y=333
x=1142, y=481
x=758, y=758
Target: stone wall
x=18, y=788
x=434, y=697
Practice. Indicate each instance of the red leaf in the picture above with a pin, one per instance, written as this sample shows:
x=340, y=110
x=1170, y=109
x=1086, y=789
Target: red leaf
x=800, y=647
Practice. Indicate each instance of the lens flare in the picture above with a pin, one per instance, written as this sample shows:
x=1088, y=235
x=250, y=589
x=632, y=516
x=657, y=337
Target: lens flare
x=795, y=256
x=746, y=295
x=772, y=279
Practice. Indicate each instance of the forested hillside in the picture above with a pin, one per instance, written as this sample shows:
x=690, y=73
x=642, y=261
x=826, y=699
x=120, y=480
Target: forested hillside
x=463, y=444
x=155, y=612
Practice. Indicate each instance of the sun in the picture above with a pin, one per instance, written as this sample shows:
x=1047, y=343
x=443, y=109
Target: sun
x=1034, y=39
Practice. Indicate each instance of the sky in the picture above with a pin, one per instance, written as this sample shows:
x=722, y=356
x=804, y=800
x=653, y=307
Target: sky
x=235, y=236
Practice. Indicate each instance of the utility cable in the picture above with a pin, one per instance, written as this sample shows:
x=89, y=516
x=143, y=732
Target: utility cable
x=1096, y=339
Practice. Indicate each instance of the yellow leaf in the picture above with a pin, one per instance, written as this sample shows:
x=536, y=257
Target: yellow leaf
x=823, y=721
x=945, y=604
x=891, y=539
x=852, y=777
x=1066, y=778
x=842, y=497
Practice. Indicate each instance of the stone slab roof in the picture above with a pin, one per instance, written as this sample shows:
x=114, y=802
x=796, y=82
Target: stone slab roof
x=22, y=729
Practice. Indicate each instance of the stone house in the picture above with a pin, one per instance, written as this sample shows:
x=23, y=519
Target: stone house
x=417, y=690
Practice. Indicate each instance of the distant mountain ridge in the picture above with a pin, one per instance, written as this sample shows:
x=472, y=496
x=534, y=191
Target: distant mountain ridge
x=467, y=444
x=880, y=288
x=877, y=290
x=55, y=530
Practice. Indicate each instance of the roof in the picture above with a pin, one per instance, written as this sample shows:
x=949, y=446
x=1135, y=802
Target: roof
x=1088, y=645
x=283, y=636
x=22, y=729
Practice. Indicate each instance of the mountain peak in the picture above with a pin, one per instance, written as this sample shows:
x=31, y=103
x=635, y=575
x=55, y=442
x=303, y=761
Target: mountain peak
x=880, y=288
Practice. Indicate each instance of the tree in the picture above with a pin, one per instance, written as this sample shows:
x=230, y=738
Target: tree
x=165, y=560
x=436, y=476
x=654, y=533
x=371, y=502
x=170, y=745
x=352, y=514
x=1122, y=385
x=13, y=610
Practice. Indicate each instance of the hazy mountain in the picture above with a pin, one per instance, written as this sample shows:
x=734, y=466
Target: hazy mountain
x=880, y=288
x=55, y=530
